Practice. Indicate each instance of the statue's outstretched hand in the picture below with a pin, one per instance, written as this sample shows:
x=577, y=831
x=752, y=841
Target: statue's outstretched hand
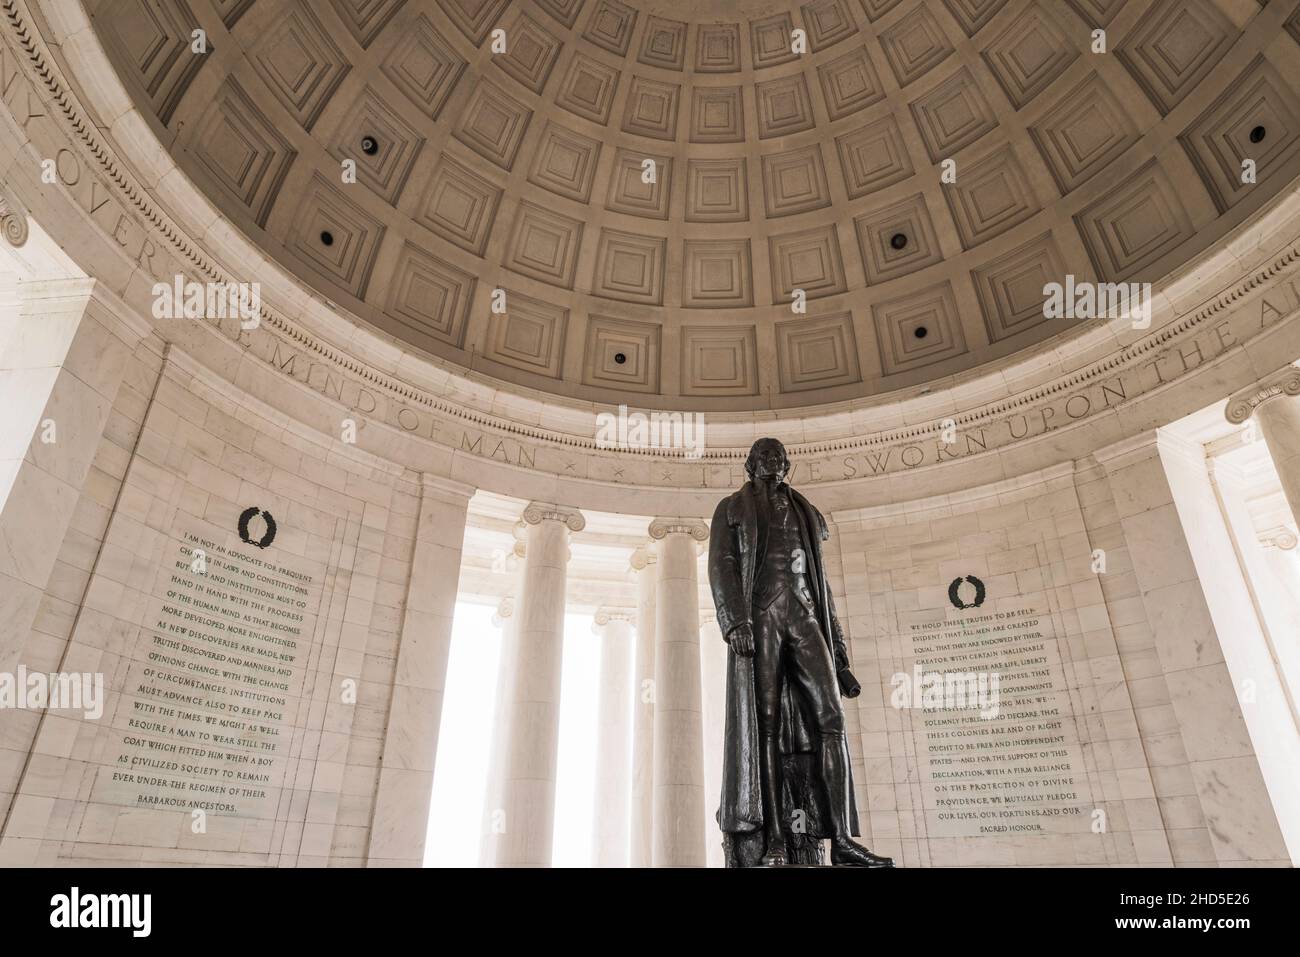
x=741, y=640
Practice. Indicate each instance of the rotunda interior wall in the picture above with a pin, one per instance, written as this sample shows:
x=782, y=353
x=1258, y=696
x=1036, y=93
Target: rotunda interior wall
x=394, y=474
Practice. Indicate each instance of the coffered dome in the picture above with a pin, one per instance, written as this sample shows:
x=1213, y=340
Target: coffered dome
x=651, y=182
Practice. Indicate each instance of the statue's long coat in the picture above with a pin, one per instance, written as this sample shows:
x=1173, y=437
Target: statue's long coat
x=735, y=548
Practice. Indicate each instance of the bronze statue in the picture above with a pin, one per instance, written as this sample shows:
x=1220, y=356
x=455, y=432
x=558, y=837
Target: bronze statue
x=786, y=783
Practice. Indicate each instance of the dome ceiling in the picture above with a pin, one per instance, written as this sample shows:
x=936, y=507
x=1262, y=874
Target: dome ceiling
x=773, y=171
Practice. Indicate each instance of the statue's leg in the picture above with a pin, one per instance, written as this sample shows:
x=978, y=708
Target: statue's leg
x=767, y=698
x=809, y=665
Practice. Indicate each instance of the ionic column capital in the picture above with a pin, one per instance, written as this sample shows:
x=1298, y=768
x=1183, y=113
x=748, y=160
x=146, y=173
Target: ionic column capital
x=1242, y=405
x=643, y=557
x=661, y=528
x=505, y=609
x=1281, y=538
x=537, y=512
x=605, y=615
x=13, y=220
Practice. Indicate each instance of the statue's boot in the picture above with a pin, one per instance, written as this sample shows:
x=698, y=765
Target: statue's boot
x=846, y=852
x=835, y=775
x=769, y=769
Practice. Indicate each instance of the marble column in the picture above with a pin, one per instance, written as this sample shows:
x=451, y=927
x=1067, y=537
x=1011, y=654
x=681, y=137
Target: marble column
x=613, y=739
x=713, y=672
x=1275, y=601
x=1272, y=402
x=532, y=708
x=1204, y=632
x=641, y=817
x=503, y=619
x=401, y=817
x=64, y=352
x=678, y=814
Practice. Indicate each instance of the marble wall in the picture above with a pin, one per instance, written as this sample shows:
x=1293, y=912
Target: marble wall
x=1119, y=741
x=1097, y=752
x=266, y=687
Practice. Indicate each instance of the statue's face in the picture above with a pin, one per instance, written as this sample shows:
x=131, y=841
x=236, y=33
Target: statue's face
x=770, y=463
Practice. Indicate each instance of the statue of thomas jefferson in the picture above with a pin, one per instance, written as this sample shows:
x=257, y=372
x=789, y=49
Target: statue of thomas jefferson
x=786, y=783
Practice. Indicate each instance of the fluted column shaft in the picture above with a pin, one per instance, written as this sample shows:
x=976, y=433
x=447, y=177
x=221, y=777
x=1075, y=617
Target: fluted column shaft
x=493, y=811
x=613, y=740
x=1279, y=421
x=641, y=816
x=1274, y=404
x=533, y=722
x=678, y=733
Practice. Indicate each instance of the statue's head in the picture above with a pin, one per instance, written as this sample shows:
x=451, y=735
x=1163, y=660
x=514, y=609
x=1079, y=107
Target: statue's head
x=767, y=461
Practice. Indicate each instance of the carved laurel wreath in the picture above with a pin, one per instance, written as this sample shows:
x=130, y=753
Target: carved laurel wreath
x=955, y=597
x=246, y=516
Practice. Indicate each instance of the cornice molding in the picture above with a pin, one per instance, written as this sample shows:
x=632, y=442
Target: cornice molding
x=1173, y=445
x=446, y=490
x=1143, y=445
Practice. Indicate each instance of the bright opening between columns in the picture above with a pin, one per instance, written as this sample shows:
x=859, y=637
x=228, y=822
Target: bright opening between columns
x=469, y=708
